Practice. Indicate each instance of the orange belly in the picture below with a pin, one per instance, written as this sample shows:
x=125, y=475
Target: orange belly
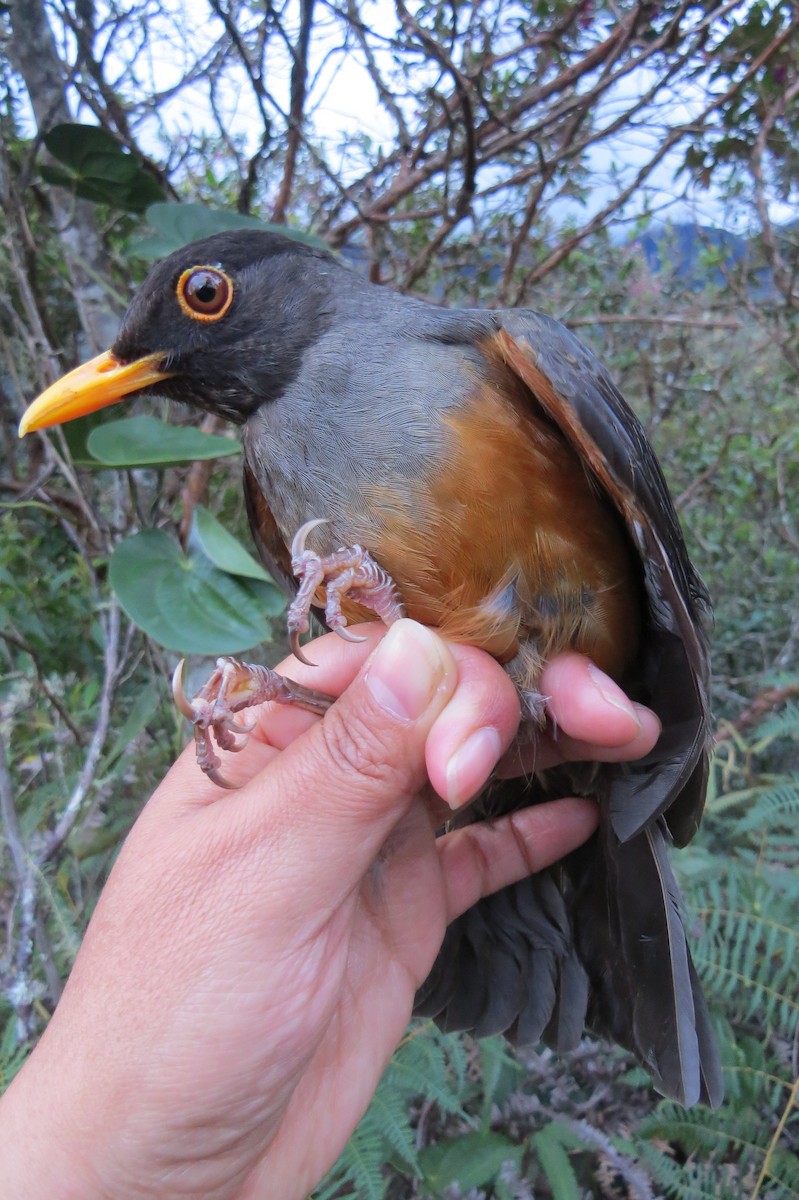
x=510, y=545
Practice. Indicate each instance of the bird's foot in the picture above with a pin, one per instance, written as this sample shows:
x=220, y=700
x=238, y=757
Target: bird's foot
x=350, y=571
x=231, y=687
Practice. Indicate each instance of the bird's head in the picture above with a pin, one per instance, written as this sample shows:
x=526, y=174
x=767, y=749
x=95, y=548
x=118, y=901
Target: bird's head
x=220, y=324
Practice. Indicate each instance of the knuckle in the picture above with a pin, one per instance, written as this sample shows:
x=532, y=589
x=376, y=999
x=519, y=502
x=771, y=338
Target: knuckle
x=479, y=851
x=523, y=844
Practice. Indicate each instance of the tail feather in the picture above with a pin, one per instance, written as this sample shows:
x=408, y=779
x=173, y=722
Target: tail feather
x=567, y=1023
x=645, y=992
x=711, y=1090
x=500, y=964
x=598, y=941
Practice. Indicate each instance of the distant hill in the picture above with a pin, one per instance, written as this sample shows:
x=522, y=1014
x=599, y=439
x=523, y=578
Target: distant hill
x=686, y=249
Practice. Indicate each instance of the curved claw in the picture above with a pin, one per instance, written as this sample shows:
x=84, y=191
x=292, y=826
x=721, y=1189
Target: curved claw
x=237, y=727
x=296, y=649
x=347, y=636
x=237, y=748
x=220, y=780
x=301, y=536
x=178, y=694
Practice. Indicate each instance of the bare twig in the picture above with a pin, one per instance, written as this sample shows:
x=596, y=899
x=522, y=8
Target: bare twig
x=299, y=78
x=659, y=319
x=111, y=670
x=684, y=499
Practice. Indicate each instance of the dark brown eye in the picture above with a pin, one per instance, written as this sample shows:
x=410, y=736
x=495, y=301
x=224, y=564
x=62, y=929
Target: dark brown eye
x=205, y=293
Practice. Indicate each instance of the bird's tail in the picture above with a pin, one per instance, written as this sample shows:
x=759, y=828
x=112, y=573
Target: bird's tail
x=596, y=941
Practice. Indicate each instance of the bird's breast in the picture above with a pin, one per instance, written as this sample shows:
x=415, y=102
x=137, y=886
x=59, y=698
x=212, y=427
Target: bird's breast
x=480, y=511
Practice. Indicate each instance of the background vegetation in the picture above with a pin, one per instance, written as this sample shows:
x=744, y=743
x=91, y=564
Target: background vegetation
x=516, y=153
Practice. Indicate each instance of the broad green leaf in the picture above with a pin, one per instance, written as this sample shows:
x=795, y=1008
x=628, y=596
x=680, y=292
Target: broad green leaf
x=556, y=1165
x=471, y=1161
x=146, y=441
x=174, y=225
x=72, y=143
x=224, y=551
x=100, y=168
x=183, y=602
x=56, y=175
x=110, y=168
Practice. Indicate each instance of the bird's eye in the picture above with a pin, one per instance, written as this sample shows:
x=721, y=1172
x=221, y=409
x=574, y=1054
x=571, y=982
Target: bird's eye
x=205, y=293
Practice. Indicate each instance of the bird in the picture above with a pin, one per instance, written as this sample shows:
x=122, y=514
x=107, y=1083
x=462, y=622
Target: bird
x=479, y=470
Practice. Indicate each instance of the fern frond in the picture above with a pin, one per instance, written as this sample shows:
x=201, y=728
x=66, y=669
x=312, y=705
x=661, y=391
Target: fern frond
x=770, y=803
x=389, y=1112
x=782, y=724
x=747, y=951
x=702, y=1131
x=422, y=1066
x=694, y=1180
x=773, y=1165
x=359, y=1169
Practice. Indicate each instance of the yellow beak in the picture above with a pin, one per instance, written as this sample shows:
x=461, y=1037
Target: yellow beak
x=102, y=381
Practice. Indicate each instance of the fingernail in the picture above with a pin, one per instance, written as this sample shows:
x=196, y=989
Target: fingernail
x=470, y=766
x=612, y=694
x=406, y=670
x=647, y=714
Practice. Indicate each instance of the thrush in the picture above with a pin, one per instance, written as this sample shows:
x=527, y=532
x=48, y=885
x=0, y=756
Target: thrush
x=480, y=470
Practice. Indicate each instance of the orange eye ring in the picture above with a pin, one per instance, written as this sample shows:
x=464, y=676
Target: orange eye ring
x=205, y=293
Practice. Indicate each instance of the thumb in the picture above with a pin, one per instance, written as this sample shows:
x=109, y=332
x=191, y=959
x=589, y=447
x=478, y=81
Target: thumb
x=326, y=804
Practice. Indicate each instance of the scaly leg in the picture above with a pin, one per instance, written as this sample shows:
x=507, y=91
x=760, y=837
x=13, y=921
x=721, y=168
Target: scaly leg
x=235, y=685
x=232, y=686
x=349, y=571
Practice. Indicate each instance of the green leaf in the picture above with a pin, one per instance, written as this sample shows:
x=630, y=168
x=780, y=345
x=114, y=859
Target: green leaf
x=72, y=143
x=224, y=551
x=499, y=1072
x=56, y=175
x=174, y=225
x=100, y=168
x=142, y=710
x=470, y=1162
x=555, y=1163
x=183, y=602
x=145, y=441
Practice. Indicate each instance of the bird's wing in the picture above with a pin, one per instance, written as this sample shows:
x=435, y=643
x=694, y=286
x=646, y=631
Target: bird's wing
x=579, y=396
x=267, y=537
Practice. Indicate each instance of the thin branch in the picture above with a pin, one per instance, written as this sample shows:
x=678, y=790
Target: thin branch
x=654, y=319
x=299, y=79
x=462, y=90
x=18, y=985
x=387, y=97
x=683, y=500
x=111, y=669
x=14, y=639
x=783, y=276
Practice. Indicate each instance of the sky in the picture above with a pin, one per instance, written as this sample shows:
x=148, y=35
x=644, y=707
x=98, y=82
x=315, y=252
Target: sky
x=345, y=102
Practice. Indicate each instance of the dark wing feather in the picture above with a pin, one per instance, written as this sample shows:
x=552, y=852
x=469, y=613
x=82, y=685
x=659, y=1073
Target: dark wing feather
x=266, y=535
x=645, y=994
x=577, y=393
x=599, y=939
x=500, y=966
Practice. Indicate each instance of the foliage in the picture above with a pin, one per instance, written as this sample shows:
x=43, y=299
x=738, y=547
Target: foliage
x=98, y=168
x=173, y=225
x=144, y=441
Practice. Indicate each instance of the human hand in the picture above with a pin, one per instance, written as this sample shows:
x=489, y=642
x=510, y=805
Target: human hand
x=252, y=962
